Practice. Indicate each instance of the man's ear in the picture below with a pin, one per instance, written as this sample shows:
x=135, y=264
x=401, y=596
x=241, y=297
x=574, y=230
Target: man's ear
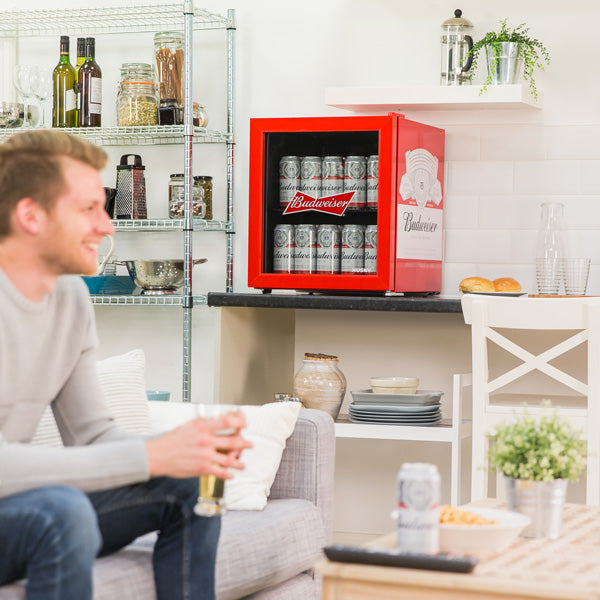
x=29, y=216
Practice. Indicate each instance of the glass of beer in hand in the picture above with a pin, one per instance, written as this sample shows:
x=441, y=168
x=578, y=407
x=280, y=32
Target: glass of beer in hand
x=212, y=488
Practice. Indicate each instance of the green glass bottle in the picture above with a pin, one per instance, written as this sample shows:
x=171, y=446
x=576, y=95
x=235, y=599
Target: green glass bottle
x=89, y=85
x=80, y=60
x=64, y=113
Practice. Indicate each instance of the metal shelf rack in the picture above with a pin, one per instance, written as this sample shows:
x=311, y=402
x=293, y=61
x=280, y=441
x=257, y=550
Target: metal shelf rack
x=173, y=16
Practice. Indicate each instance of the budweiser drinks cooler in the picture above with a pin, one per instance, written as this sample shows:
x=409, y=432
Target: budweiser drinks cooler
x=346, y=203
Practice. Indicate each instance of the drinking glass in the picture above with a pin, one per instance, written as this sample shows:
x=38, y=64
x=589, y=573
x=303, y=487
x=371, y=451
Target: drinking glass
x=212, y=488
x=23, y=78
x=42, y=88
x=576, y=272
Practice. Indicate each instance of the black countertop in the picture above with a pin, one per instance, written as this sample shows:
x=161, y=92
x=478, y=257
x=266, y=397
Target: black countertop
x=435, y=304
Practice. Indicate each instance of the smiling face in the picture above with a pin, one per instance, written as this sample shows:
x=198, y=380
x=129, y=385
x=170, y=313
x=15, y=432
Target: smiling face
x=75, y=225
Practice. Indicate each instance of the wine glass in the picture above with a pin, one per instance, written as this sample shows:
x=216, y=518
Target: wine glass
x=42, y=85
x=23, y=77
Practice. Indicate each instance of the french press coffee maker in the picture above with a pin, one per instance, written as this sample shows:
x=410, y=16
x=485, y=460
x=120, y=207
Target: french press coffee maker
x=456, y=44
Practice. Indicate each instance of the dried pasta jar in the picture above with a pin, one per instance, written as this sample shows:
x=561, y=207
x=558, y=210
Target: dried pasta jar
x=205, y=182
x=320, y=384
x=168, y=65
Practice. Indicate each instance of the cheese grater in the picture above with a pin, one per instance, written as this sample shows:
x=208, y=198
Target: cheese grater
x=130, y=199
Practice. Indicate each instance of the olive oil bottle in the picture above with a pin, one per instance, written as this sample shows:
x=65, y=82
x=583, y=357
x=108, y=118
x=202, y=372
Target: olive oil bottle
x=64, y=113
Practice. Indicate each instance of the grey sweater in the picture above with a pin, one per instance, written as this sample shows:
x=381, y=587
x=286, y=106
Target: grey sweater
x=48, y=356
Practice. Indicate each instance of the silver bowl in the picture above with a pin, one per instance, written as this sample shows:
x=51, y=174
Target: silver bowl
x=11, y=114
x=157, y=276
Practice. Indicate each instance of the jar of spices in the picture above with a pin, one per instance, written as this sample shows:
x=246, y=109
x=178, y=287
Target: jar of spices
x=177, y=198
x=200, y=117
x=205, y=181
x=137, y=98
x=168, y=63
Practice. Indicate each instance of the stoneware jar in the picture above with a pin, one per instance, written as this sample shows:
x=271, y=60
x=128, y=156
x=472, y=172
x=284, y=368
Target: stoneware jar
x=320, y=384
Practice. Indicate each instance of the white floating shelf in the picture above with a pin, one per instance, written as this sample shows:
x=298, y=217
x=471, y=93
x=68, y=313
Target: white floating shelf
x=379, y=99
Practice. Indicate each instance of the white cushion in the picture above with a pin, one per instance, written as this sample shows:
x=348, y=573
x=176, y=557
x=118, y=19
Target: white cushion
x=122, y=379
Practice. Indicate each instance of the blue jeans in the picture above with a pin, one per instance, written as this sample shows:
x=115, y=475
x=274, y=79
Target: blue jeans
x=52, y=535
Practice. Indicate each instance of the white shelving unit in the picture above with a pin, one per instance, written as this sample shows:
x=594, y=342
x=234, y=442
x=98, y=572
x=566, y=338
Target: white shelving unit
x=381, y=99
x=179, y=16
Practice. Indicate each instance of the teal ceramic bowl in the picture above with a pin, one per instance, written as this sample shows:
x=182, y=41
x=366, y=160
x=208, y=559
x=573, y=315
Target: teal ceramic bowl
x=158, y=395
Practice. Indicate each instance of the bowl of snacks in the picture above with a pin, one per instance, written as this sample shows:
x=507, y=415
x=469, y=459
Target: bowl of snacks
x=478, y=531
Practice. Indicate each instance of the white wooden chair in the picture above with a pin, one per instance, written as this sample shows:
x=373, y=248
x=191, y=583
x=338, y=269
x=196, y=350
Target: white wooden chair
x=577, y=321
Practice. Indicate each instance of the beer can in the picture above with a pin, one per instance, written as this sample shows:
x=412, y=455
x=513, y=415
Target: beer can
x=419, y=508
x=332, y=176
x=310, y=176
x=305, y=251
x=283, y=249
x=289, y=179
x=371, y=249
x=328, y=249
x=355, y=180
x=372, y=180
x=353, y=250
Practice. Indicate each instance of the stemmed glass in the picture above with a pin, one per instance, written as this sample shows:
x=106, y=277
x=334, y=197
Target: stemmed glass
x=42, y=88
x=23, y=78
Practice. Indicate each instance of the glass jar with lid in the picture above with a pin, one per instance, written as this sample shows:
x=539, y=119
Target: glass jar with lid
x=168, y=64
x=200, y=116
x=177, y=198
x=205, y=181
x=137, y=98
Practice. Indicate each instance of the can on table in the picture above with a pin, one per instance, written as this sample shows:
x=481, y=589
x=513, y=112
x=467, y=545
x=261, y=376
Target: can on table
x=289, y=179
x=355, y=180
x=372, y=180
x=328, y=249
x=283, y=249
x=305, y=251
x=419, y=508
x=310, y=176
x=332, y=176
x=353, y=250
x=371, y=249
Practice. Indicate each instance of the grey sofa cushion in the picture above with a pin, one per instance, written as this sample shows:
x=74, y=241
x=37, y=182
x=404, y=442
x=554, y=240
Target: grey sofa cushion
x=262, y=549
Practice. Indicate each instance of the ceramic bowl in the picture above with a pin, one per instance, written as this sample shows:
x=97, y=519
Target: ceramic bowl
x=483, y=541
x=394, y=385
x=158, y=395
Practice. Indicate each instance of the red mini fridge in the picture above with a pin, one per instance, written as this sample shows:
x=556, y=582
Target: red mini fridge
x=348, y=204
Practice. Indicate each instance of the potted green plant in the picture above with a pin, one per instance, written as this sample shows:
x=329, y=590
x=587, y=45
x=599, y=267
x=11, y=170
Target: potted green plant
x=505, y=51
x=538, y=455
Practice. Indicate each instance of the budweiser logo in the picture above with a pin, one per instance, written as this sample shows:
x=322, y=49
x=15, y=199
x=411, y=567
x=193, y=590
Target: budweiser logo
x=333, y=205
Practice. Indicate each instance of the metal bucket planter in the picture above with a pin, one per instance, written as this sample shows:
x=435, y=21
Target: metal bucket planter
x=541, y=501
x=503, y=62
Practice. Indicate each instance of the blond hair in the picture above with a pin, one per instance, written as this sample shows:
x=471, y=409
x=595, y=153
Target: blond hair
x=31, y=166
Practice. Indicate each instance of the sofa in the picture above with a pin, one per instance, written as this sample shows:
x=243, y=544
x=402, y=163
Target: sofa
x=263, y=554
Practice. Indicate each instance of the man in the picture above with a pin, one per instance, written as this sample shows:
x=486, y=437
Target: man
x=62, y=507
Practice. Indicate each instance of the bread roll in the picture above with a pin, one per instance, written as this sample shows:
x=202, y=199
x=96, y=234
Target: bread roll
x=507, y=284
x=476, y=284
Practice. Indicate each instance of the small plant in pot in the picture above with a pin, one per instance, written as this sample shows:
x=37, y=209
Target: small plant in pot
x=505, y=51
x=538, y=455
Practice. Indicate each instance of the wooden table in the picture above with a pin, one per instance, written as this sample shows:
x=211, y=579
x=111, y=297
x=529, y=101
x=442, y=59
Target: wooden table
x=564, y=569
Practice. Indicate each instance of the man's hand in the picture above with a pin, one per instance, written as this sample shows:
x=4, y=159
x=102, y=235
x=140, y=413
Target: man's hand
x=196, y=448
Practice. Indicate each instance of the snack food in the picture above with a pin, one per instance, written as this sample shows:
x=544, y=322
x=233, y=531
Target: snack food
x=507, y=284
x=476, y=284
x=449, y=515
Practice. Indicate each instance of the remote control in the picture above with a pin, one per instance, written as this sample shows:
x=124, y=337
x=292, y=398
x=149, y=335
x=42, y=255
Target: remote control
x=390, y=557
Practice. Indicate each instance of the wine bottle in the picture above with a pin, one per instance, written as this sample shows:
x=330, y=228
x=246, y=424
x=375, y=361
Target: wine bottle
x=64, y=112
x=89, y=84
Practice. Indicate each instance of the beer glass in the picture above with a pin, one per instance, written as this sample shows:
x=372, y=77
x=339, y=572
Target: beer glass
x=212, y=488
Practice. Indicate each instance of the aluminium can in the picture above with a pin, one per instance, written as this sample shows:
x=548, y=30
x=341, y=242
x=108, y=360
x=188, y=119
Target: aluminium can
x=289, y=179
x=353, y=250
x=419, y=508
x=355, y=180
x=372, y=181
x=332, y=182
x=310, y=175
x=329, y=249
x=283, y=249
x=371, y=250
x=305, y=251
